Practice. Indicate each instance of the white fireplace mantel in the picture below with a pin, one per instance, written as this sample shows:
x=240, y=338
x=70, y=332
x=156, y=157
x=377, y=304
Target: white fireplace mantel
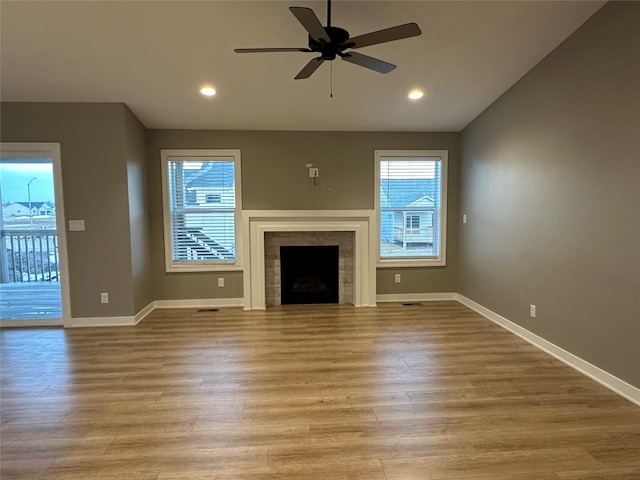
x=255, y=223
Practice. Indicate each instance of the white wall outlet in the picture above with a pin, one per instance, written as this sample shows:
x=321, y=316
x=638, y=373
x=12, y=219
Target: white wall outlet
x=532, y=311
x=104, y=297
x=221, y=282
x=398, y=279
x=464, y=218
x=314, y=172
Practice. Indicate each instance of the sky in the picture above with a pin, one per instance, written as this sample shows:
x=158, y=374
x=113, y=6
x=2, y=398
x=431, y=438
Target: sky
x=14, y=178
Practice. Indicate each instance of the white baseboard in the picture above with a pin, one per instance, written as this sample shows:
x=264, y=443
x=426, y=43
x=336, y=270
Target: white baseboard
x=200, y=303
x=604, y=378
x=144, y=312
x=128, y=321
x=102, y=322
x=415, y=297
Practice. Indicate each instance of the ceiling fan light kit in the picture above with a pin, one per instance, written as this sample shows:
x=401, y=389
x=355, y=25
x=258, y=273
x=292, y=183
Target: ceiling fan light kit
x=331, y=42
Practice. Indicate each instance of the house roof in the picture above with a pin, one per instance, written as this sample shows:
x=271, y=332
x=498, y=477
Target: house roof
x=424, y=201
x=37, y=205
x=407, y=192
x=214, y=174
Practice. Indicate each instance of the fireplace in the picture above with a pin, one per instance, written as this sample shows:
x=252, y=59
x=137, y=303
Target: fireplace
x=265, y=231
x=309, y=274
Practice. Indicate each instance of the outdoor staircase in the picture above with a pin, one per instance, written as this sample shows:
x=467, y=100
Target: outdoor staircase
x=205, y=247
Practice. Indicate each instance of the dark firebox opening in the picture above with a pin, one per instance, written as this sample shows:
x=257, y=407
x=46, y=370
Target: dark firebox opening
x=309, y=274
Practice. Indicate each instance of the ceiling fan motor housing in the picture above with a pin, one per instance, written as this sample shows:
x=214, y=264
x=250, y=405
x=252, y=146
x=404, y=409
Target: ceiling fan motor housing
x=338, y=37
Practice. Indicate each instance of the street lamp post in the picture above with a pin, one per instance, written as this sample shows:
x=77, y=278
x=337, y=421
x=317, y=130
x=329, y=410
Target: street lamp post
x=29, y=195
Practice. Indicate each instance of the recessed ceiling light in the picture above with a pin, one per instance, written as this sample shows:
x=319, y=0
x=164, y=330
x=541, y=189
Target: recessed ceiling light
x=208, y=91
x=415, y=94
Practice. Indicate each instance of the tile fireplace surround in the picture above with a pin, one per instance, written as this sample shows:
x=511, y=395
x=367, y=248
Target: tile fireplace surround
x=274, y=240
x=265, y=230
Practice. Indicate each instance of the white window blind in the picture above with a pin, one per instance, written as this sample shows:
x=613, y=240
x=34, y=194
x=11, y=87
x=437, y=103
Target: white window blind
x=411, y=206
x=202, y=211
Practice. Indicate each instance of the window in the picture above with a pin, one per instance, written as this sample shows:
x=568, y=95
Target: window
x=413, y=221
x=201, y=195
x=411, y=204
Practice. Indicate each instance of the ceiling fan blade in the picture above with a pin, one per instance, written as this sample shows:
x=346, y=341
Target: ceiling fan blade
x=309, y=68
x=259, y=50
x=368, y=62
x=310, y=23
x=381, y=36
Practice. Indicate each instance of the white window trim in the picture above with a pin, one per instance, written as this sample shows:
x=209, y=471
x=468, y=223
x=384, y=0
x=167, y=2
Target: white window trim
x=206, y=155
x=440, y=261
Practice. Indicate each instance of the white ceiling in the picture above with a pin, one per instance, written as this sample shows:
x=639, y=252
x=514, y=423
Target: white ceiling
x=154, y=56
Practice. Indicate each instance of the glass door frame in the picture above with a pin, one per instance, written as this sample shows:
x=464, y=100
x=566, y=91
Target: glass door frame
x=46, y=150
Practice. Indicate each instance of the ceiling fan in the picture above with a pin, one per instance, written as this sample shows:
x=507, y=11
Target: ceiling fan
x=331, y=42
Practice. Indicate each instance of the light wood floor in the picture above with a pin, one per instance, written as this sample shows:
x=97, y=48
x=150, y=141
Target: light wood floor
x=429, y=391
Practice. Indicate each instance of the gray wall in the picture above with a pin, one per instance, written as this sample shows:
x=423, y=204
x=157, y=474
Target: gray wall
x=136, y=160
x=550, y=182
x=275, y=177
x=111, y=179
x=94, y=172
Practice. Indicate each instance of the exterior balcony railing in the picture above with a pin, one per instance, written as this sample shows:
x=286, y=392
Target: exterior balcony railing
x=29, y=256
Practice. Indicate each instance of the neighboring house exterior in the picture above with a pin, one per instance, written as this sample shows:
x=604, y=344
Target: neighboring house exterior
x=408, y=212
x=415, y=226
x=19, y=209
x=211, y=187
x=209, y=220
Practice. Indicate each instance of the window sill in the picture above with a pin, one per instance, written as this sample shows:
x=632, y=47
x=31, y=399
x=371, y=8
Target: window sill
x=397, y=263
x=203, y=268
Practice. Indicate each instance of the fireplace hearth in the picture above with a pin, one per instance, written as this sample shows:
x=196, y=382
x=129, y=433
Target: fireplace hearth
x=309, y=274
